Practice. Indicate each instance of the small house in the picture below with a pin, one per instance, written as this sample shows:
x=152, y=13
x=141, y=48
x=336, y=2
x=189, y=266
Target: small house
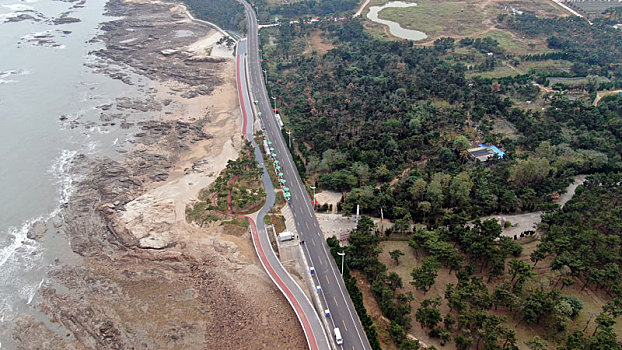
x=484, y=152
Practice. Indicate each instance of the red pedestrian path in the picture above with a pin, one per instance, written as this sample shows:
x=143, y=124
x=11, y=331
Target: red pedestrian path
x=302, y=317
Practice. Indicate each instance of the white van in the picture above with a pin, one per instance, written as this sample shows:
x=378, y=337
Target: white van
x=338, y=337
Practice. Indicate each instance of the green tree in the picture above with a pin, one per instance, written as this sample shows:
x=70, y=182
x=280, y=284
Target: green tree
x=449, y=321
x=434, y=194
x=418, y=189
x=537, y=343
x=461, y=143
x=530, y=172
x=395, y=255
x=520, y=272
x=403, y=224
x=394, y=281
x=361, y=170
x=424, y=276
x=603, y=338
x=363, y=249
x=464, y=342
x=460, y=189
x=428, y=314
x=332, y=160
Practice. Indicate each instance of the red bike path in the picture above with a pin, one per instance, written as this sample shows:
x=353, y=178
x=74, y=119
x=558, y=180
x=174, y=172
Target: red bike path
x=302, y=317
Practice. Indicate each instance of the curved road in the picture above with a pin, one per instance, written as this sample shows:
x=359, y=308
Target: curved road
x=309, y=319
x=335, y=295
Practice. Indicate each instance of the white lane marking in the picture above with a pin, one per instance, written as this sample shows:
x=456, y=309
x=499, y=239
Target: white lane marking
x=344, y=325
x=296, y=179
x=358, y=333
x=336, y=303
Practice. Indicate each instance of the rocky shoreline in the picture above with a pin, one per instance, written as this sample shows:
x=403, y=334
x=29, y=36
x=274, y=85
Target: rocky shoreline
x=147, y=278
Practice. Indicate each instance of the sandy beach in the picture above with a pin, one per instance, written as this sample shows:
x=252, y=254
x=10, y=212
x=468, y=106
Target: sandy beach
x=148, y=278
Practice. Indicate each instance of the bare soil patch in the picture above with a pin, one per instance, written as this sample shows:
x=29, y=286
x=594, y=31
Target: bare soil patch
x=316, y=43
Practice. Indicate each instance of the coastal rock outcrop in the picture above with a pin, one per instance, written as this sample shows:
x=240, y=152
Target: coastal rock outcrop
x=37, y=230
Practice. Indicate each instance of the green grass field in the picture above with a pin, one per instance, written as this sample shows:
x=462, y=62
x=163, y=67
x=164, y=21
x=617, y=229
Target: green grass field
x=545, y=66
x=517, y=46
x=438, y=18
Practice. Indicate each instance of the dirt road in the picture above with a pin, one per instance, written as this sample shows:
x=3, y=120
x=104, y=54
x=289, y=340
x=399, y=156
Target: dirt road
x=530, y=221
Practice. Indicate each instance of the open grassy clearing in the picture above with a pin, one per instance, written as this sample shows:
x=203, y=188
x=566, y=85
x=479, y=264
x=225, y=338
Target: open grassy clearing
x=542, y=8
x=561, y=66
x=518, y=46
x=438, y=19
x=460, y=19
x=281, y=2
x=316, y=43
x=498, y=72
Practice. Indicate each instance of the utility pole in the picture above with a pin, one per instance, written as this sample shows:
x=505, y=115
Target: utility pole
x=274, y=98
x=381, y=221
x=265, y=76
x=343, y=257
x=313, y=188
x=289, y=136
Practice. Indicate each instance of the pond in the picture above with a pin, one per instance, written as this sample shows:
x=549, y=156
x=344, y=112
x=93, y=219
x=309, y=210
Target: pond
x=395, y=28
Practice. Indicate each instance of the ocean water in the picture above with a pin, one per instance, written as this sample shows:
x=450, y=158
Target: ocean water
x=45, y=74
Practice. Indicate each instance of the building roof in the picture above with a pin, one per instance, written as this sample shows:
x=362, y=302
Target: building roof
x=481, y=153
x=499, y=152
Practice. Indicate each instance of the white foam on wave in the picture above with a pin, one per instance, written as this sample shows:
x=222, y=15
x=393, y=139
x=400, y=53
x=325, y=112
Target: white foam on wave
x=42, y=39
x=21, y=255
x=18, y=7
x=17, y=240
x=61, y=169
x=17, y=258
x=99, y=130
x=11, y=73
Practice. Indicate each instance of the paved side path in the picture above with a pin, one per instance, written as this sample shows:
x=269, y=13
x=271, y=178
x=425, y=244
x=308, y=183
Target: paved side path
x=308, y=317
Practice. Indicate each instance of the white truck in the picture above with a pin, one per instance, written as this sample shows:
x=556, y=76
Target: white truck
x=279, y=120
x=338, y=338
x=286, y=236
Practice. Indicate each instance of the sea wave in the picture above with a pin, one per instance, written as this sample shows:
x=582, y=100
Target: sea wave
x=61, y=169
x=42, y=39
x=11, y=73
x=21, y=256
x=18, y=7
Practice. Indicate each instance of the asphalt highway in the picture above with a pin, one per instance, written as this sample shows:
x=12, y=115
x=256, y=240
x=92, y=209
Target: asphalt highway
x=334, y=294
x=317, y=339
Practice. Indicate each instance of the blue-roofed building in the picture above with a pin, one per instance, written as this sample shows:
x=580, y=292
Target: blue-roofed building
x=499, y=152
x=484, y=152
